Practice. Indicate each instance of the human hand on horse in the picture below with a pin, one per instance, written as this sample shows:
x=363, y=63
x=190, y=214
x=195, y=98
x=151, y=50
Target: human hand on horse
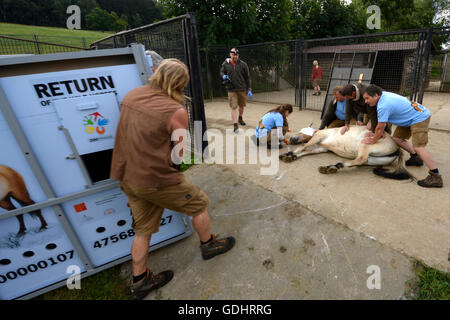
x=369, y=138
x=345, y=129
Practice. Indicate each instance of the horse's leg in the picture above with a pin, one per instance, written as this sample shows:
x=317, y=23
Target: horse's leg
x=8, y=205
x=26, y=202
x=361, y=158
x=311, y=150
x=316, y=138
x=314, y=149
x=41, y=219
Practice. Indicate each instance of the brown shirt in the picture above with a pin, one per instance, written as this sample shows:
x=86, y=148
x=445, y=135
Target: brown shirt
x=143, y=146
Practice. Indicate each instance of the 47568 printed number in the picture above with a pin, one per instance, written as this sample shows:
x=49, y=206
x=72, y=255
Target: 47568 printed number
x=124, y=235
x=113, y=238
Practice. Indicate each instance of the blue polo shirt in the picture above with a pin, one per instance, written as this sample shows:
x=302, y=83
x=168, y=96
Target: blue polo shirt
x=398, y=110
x=269, y=120
x=340, y=110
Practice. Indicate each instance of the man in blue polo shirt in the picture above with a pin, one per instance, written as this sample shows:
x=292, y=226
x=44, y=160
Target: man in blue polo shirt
x=411, y=119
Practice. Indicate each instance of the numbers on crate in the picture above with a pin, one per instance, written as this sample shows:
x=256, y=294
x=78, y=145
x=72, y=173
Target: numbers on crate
x=40, y=265
x=166, y=220
x=113, y=239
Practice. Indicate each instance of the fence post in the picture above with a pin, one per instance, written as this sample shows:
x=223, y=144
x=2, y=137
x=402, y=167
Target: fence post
x=208, y=74
x=298, y=73
x=427, y=54
x=36, y=43
x=195, y=72
x=84, y=43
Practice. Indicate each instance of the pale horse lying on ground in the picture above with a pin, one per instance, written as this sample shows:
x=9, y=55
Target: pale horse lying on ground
x=384, y=152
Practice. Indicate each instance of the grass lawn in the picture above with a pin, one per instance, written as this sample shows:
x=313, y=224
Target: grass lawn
x=431, y=284
x=54, y=35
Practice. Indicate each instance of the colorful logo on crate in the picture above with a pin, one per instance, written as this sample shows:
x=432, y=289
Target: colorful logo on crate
x=95, y=122
x=80, y=207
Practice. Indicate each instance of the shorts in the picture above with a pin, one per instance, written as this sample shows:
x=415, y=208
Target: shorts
x=147, y=204
x=336, y=123
x=316, y=82
x=237, y=98
x=418, y=131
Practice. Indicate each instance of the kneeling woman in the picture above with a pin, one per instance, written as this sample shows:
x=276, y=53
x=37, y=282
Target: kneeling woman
x=273, y=126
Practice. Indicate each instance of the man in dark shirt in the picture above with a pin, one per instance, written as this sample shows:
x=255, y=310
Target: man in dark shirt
x=366, y=115
x=239, y=85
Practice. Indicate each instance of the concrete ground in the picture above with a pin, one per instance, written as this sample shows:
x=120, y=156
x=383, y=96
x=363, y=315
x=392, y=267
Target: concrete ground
x=282, y=251
x=304, y=235
x=399, y=214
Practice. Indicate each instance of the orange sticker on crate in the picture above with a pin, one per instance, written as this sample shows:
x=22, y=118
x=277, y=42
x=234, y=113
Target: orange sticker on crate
x=80, y=207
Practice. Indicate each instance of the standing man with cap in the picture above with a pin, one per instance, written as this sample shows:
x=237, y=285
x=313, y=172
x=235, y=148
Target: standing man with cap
x=236, y=74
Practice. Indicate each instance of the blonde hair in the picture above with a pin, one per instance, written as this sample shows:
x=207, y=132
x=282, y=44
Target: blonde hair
x=171, y=77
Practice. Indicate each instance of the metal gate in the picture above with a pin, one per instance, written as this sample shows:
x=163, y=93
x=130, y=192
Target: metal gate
x=172, y=38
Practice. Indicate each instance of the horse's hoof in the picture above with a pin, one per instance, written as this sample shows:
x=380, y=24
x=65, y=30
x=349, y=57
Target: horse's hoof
x=323, y=170
x=21, y=233
x=282, y=156
x=42, y=228
x=332, y=169
x=288, y=159
x=328, y=169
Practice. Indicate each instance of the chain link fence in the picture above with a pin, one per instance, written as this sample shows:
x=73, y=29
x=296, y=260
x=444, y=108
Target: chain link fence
x=403, y=62
x=82, y=42
x=11, y=45
x=172, y=38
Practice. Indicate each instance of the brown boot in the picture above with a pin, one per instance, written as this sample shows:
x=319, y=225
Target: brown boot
x=415, y=160
x=434, y=180
x=151, y=282
x=216, y=246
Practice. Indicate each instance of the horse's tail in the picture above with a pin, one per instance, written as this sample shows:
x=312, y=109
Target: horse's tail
x=399, y=173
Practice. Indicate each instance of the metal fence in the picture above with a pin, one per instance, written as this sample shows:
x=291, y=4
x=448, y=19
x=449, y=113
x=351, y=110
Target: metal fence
x=11, y=45
x=82, y=42
x=172, y=38
x=400, y=62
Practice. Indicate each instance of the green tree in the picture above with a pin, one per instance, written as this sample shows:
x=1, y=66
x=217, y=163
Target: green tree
x=228, y=22
x=99, y=19
x=120, y=23
x=408, y=14
x=273, y=19
x=325, y=18
x=233, y=22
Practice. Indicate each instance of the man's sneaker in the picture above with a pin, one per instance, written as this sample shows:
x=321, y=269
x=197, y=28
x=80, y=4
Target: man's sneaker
x=141, y=289
x=434, y=180
x=414, y=161
x=236, y=128
x=216, y=246
x=241, y=122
